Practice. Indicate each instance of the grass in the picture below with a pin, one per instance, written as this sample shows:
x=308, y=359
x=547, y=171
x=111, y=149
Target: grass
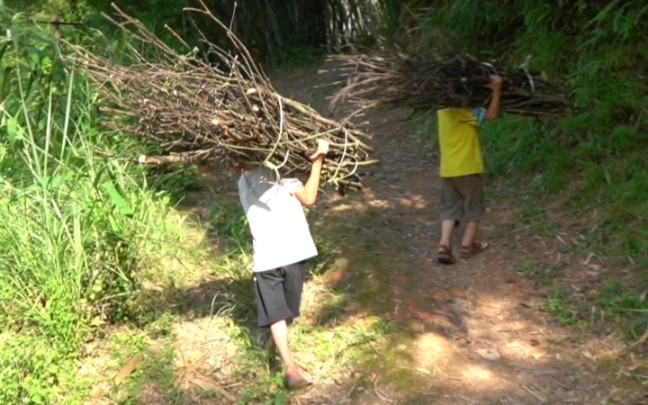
x=365, y=340
x=205, y=347
x=96, y=247
x=88, y=240
x=538, y=270
x=575, y=292
x=559, y=305
x=576, y=181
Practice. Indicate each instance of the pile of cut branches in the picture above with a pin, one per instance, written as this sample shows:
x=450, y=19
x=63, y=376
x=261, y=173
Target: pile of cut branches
x=400, y=80
x=225, y=111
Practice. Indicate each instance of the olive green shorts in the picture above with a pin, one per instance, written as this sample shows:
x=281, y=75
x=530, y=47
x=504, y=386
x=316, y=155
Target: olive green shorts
x=462, y=198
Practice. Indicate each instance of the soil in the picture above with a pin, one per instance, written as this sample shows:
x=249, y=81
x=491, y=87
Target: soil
x=470, y=333
x=475, y=332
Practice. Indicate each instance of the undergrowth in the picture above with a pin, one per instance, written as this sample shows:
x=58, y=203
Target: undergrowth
x=82, y=232
x=91, y=241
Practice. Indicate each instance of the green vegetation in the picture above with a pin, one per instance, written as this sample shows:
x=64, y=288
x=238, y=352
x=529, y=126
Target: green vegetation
x=77, y=224
x=277, y=32
x=90, y=241
x=592, y=165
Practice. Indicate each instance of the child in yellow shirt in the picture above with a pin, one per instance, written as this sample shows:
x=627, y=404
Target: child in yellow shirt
x=462, y=194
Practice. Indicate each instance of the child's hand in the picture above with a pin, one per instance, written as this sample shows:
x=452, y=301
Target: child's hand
x=322, y=149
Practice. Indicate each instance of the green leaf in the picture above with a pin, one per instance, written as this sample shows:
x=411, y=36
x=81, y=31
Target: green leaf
x=46, y=65
x=14, y=131
x=117, y=198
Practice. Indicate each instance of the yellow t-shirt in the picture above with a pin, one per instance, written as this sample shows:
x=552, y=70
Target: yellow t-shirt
x=459, y=141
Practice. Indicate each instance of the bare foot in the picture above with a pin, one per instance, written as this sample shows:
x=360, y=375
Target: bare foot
x=294, y=378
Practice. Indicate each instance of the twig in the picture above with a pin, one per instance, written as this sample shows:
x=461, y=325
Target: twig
x=127, y=369
x=228, y=113
x=638, y=342
x=540, y=398
x=399, y=80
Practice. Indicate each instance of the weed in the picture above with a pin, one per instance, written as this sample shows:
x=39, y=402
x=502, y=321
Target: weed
x=229, y=222
x=162, y=326
x=270, y=388
x=625, y=307
x=154, y=375
x=81, y=224
x=35, y=371
x=558, y=305
x=174, y=181
x=537, y=270
x=332, y=307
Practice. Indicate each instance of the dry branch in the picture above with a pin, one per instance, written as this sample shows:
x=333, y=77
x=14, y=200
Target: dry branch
x=225, y=111
x=400, y=80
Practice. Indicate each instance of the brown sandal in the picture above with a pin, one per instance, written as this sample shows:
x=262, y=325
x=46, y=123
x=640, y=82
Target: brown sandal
x=444, y=255
x=473, y=249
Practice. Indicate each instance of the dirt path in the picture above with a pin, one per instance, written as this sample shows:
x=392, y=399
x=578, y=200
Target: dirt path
x=471, y=333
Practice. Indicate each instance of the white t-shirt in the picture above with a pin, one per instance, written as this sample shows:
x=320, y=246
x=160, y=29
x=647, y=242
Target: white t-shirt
x=280, y=232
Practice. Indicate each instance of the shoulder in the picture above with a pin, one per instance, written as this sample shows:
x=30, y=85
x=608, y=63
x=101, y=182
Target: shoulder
x=291, y=184
x=479, y=114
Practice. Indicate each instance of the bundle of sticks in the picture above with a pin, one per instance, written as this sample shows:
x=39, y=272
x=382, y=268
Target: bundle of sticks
x=226, y=111
x=399, y=80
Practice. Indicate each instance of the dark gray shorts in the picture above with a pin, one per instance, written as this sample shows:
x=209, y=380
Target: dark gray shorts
x=278, y=293
x=462, y=198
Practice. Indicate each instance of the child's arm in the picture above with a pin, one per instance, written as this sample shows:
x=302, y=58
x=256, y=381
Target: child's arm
x=494, y=106
x=307, y=194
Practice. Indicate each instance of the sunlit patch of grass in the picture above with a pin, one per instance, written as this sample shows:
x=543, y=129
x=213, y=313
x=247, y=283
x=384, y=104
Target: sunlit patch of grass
x=152, y=376
x=183, y=254
x=328, y=351
x=331, y=307
x=179, y=362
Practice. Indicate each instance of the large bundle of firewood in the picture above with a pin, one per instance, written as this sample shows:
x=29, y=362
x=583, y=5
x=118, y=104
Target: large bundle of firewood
x=400, y=80
x=223, y=110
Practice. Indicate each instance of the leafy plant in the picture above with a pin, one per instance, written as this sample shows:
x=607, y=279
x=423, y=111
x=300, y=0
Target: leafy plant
x=558, y=306
x=78, y=225
x=620, y=303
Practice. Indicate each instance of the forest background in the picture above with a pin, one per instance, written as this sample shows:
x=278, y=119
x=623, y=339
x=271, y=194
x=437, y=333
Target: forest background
x=85, y=229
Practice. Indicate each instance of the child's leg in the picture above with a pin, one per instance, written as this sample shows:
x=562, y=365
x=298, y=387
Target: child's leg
x=469, y=233
x=294, y=377
x=280, y=337
x=473, y=190
x=451, y=209
x=275, y=307
x=294, y=277
x=447, y=226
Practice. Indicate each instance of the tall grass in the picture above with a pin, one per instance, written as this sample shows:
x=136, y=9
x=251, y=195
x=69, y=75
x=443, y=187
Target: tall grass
x=76, y=225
